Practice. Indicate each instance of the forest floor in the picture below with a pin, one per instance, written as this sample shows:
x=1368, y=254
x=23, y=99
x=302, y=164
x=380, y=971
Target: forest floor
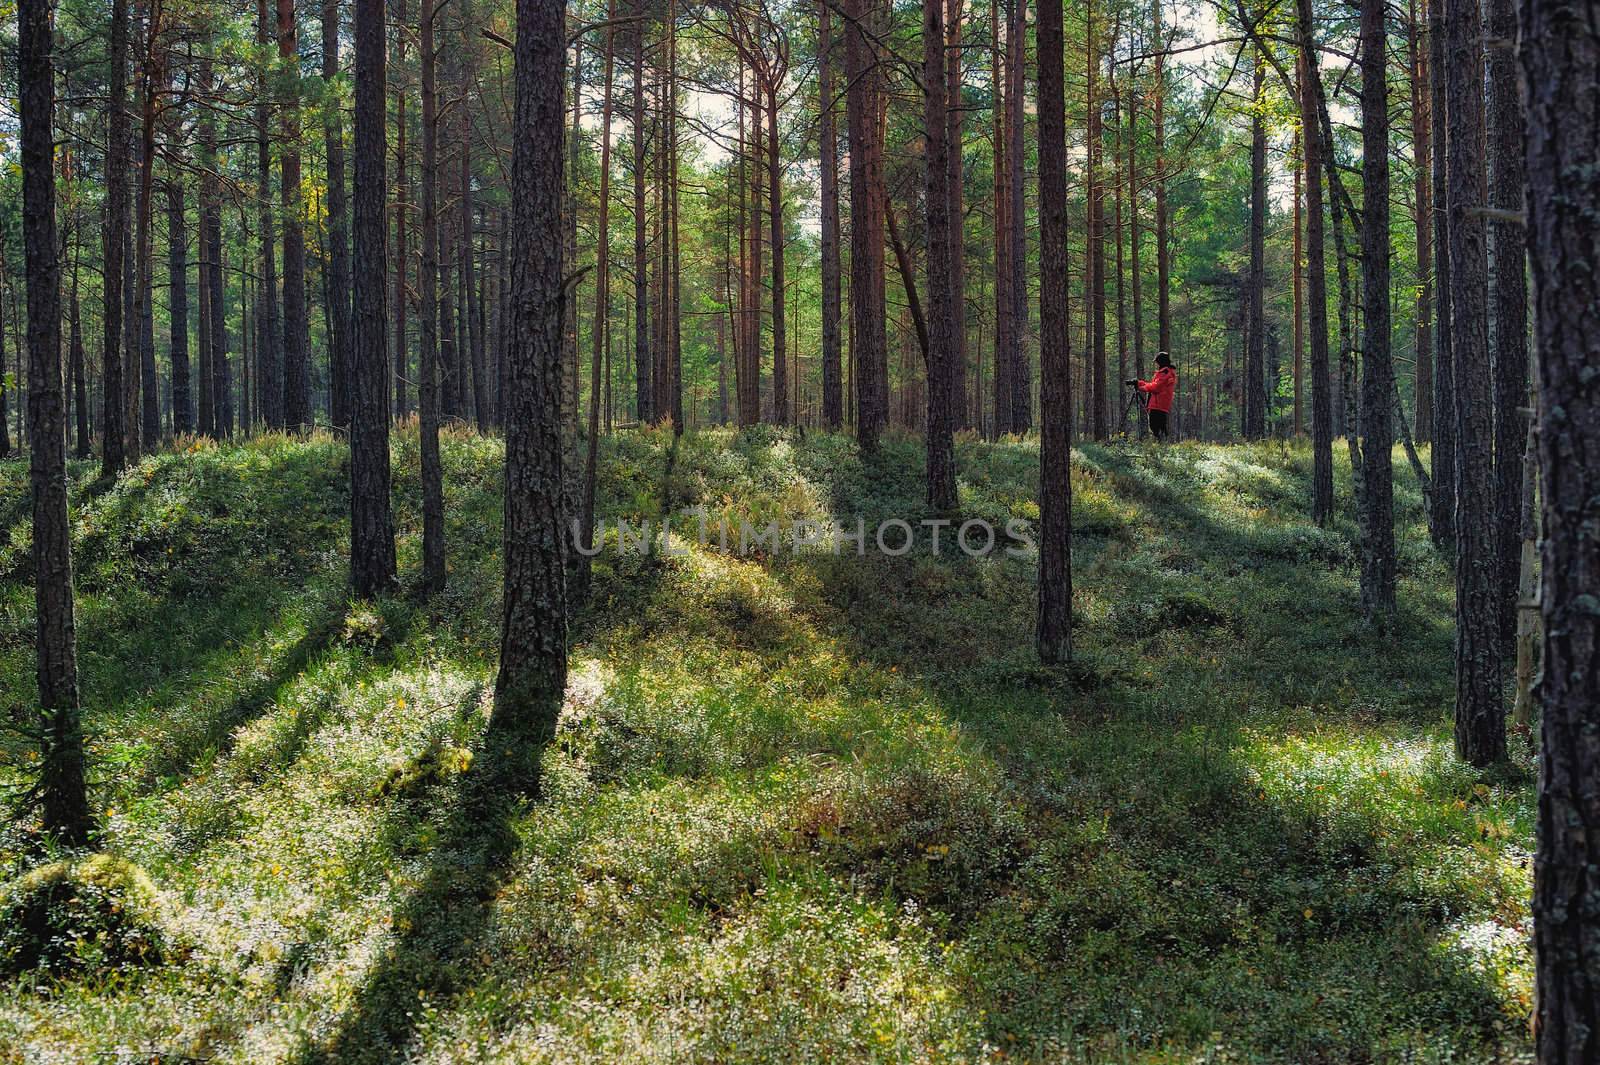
x=801, y=808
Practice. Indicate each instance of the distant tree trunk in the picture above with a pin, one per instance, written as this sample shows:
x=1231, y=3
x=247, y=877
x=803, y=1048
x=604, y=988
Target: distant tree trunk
x=1133, y=233
x=433, y=560
x=1054, y=629
x=1163, y=242
x=1510, y=358
x=216, y=415
x=143, y=407
x=832, y=395
x=643, y=358
x=269, y=368
x=1442, y=519
x=533, y=634
x=780, y=376
x=1316, y=277
x=338, y=268
x=1095, y=259
x=473, y=356
x=1115, y=95
x=1377, y=370
x=80, y=384
x=206, y=390
x=178, y=305
x=5, y=428
x=602, y=315
x=869, y=346
x=673, y=278
x=1480, y=717
x=941, y=353
x=1421, y=160
x=1255, y=370
x=1016, y=98
x=1004, y=311
x=296, y=327
x=1560, y=55
x=372, y=561
x=63, y=792
x=1298, y=165
x=956, y=187
x=402, y=206
x=113, y=427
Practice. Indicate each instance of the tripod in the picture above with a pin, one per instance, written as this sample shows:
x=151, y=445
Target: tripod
x=1135, y=397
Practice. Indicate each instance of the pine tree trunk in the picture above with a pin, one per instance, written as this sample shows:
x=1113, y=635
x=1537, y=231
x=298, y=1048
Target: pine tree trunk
x=63, y=792
x=113, y=428
x=869, y=344
x=372, y=555
x=428, y=399
x=402, y=207
x=1316, y=275
x=1054, y=628
x=961, y=412
x=1163, y=220
x=1479, y=715
x=832, y=396
x=296, y=327
x=142, y=386
x=1442, y=519
x=1004, y=323
x=1255, y=370
x=269, y=368
x=1510, y=302
x=1095, y=259
x=642, y=356
x=1421, y=160
x=533, y=634
x=940, y=354
x=1560, y=58
x=600, y=332
x=1016, y=147
x=780, y=376
x=338, y=267
x=1377, y=369
x=178, y=305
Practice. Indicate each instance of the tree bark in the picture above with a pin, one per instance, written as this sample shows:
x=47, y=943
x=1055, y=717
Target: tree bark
x=178, y=304
x=941, y=352
x=1377, y=369
x=433, y=548
x=956, y=187
x=1479, y=715
x=832, y=394
x=113, y=426
x=269, y=367
x=1095, y=259
x=338, y=279
x=63, y=792
x=1054, y=627
x=1510, y=304
x=1004, y=311
x=1442, y=516
x=1255, y=370
x=533, y=635
x=869, y=348
x=1560, y=56
x=1016, y=99
x=1316, y=276
x=372, y=556
x=1421, y=161
x=296, y=327
x=780, y=376
x=402, y=207
x=600, y=332
x=643, y=357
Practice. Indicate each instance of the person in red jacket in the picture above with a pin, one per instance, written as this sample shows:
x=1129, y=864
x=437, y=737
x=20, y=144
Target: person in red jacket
x=1160, y=390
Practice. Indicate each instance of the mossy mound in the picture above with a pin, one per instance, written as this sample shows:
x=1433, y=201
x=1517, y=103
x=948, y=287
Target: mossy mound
x=91, y=913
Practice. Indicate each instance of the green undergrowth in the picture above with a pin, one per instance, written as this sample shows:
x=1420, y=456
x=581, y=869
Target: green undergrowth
x=801, y=807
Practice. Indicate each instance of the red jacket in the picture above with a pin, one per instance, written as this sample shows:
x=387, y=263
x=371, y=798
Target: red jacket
x=1161, y=387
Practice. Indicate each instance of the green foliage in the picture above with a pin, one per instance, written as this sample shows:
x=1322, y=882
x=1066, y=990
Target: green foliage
x=95, y=915
x=800, y=807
